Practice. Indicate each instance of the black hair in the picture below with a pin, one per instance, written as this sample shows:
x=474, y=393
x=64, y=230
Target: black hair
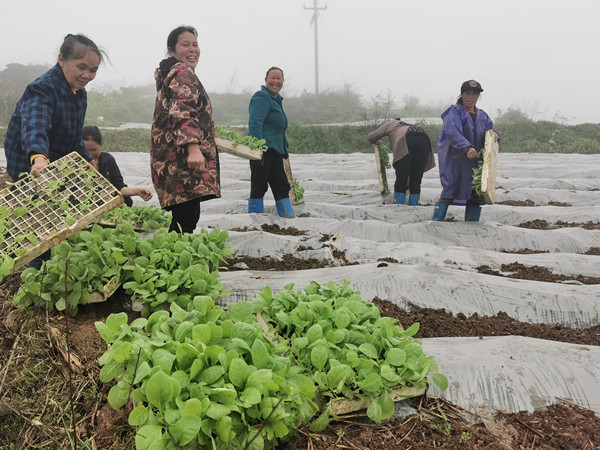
x=92, y=133
x=70, y=50
x=174, y=36
x=274, y=68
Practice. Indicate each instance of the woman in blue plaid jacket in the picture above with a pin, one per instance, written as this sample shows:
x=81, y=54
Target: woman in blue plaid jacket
x=48, y=119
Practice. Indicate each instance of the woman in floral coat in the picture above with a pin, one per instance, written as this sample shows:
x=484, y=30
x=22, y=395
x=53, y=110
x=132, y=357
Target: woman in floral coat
x=183, y=155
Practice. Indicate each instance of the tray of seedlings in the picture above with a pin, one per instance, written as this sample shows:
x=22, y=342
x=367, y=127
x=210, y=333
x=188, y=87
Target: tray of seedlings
x=38, y=213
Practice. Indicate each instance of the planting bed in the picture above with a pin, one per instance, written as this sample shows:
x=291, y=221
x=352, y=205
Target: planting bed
x=493, y=298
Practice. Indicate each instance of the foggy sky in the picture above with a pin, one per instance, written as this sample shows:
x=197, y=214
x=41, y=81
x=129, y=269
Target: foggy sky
x=535, y=55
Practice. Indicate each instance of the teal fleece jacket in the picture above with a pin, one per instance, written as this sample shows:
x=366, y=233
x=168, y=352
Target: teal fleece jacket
x=268, y=121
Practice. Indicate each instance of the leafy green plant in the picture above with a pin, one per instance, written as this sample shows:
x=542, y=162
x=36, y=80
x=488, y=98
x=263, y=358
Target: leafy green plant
x=477, y=174
x=465, y=437
x=384, y=154
x=203, y=377
x=350, y=350
x=238, y=139
x=299, y=192
x=174, y=268
x=169, y=268
x=145, y=218
x=93, y=257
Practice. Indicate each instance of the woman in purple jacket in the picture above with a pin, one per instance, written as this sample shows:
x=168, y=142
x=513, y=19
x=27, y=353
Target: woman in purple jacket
x=459, y=144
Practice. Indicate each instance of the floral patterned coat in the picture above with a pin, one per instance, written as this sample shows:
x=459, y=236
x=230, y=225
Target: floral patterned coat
x=182, y=116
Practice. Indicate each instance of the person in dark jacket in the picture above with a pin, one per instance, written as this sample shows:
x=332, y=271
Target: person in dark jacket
x=462, y=137
x=105, y=164
x=184, y=160
x=412, y=156
x=267, y=120
x=47, y=122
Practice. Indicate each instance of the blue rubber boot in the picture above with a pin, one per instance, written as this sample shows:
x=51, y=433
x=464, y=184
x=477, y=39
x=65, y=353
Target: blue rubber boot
x=439, y=211
x=472, y=213
x=284, y=208
x=413, y=199
x=399, y=198
x=255, y=205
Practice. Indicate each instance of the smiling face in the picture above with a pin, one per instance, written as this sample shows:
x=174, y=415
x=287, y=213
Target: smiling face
x=274, y=81
x=186, y=49
x=470, y=99
x=80, y=71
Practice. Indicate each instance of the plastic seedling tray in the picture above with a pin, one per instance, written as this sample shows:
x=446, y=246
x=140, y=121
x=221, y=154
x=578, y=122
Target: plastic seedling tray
x=38, y=213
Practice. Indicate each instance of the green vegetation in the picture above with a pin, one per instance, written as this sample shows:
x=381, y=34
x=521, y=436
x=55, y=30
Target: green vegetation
x=202, y=376
x=136, y=104
x=142, y=217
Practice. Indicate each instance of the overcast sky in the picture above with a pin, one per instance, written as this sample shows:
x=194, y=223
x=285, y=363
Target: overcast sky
x=537, y=55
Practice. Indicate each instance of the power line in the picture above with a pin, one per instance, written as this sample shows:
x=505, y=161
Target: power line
x=313, y=20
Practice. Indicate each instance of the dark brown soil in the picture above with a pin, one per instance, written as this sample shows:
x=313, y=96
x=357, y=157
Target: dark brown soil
x=535, y=273
x=517, y=203
x=442, y=323
x=541, y=224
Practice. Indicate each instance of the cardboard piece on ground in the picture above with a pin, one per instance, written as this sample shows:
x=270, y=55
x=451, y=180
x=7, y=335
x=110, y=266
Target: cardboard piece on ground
x=341, y=406
x=490, y=168
x=381, y=173
x=290, y=177
x=224, y=145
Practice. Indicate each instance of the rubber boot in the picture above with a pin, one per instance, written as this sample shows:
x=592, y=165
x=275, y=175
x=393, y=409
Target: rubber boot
x=472, y=213
x=413, y=199
x=399, y=198
x=255, y=205
x=284, y=208
x=439, y=211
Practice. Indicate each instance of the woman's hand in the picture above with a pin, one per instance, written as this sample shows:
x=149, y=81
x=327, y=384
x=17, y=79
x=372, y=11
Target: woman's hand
x=195, y=158
x=472, y=153
x=39, y=163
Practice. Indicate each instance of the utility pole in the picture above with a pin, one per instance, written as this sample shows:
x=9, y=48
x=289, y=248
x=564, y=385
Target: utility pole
x=315, y=16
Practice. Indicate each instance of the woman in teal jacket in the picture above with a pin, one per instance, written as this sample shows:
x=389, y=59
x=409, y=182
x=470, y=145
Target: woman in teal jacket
x=268, y=121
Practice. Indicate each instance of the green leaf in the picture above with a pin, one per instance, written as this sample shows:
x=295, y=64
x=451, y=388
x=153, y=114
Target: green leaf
x=216, y=411
x=260, y=355
x=238, y=372
x=374, y=411
x=224, y=429
x=369, y=350
x=320, y=423
x=147, y=435
x=193, y=407
x=118, y=394
x=440, y=380
x=395, y=357
x=114, y=322
x=187, y=428
x=104, y=331
x=319, y=355
x=138, y=416
x=212, y=374
x=186, y=354
x=159, y=389
x=250, y=396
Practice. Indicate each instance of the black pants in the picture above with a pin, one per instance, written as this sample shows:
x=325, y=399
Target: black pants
x=267, y=172
x=410, y=168
x=185, y=215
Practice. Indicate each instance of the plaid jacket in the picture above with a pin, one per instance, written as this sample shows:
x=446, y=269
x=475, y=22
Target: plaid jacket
x=48, y=119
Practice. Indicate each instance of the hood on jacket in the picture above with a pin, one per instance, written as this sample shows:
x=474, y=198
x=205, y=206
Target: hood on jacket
x=163, y=69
